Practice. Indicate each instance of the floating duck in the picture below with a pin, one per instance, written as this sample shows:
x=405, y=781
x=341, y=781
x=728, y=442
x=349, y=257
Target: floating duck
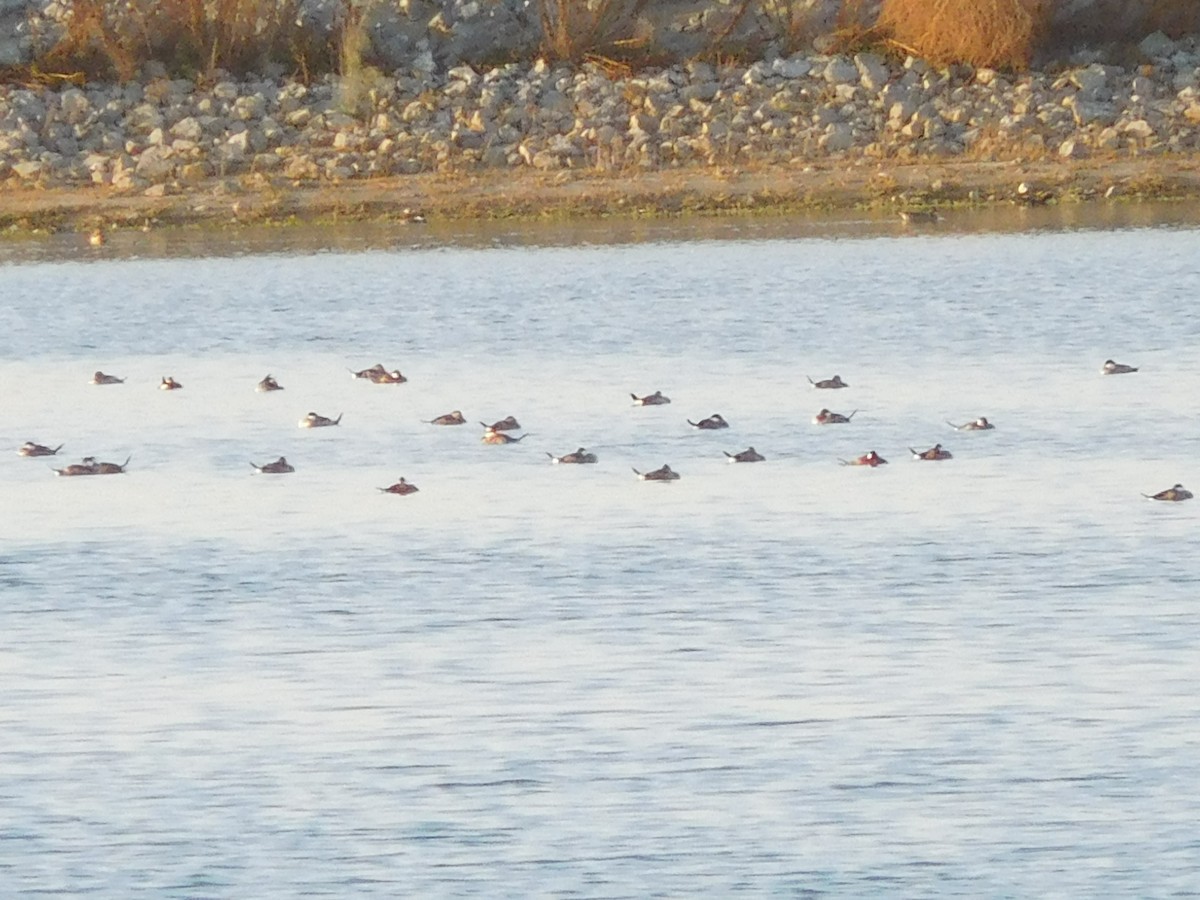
x=655, y=399
x=279, y=467
x=106, y=468
x=936, y=452
x=980, y=424
x=29, y=448
x=400, y=487
x=663, y=474
x=450, y=418
x=268, y=384
x=1116, y=368
x=712, y=422
x=169, y=384
x=825, y=417
x=392, y=377
x=1172, y=494
x=375, y=370
x=580, y=456
x=747, y=455
x=828, y=384
x=90, y=466
x=508, y=423
x=312, y=420
x=870, y=458
x=492, y=436
x=100, y=378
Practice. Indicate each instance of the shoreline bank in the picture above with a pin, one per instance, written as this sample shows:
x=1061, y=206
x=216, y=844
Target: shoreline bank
x=496, y=195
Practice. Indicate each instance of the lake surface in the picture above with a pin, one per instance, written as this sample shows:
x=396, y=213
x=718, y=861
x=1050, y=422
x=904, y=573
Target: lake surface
x=793, y=678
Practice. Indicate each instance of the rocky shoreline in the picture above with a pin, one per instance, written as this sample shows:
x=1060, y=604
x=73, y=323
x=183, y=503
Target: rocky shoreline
x=802, y=114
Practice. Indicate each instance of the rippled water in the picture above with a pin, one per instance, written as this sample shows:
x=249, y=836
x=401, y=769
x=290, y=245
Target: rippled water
x=973, y=678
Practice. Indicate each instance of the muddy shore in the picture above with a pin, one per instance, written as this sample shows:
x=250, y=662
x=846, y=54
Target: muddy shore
x=502, y=195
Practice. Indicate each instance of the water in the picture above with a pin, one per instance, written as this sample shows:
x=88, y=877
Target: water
x=792, y=678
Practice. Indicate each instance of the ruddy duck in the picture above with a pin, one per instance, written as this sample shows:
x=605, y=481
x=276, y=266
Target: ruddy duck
x=580, y=456
x=269, y=384
x=169, y=384
x=392, y=377
x=87, y=467
x=747, y=455
x=371, y=373
x=1116, y=368
x=663, y=474
x=935, y=453
x=492, y=436
x=105, y=468
x=980, y=424
x=400, y=487
x=29, y=448
x=825, y=417
x=279, y=467
x=312, y=420
x=508, y=423
x=101, y=378
x=450, y=418
x=712, y=422
x=828, y=383
x=870, y=458
x=1172, y=494
x=655, y=399
x=920, y=216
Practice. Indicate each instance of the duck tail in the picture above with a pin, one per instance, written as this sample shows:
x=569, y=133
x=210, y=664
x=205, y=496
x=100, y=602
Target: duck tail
x=952, y=425
x=56, y=449
x=852, y=415
x=127, y=459
x=810, y=381
x=844, y=462
x=338, y=420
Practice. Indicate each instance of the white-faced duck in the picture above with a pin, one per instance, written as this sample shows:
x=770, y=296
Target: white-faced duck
x=711, y=423
x=666, y=473
x=747, y=455
x=1171, y=495
x=655, y=399
x=279, y=467
x=169, y=384
x=579, y=457
x=29, y=448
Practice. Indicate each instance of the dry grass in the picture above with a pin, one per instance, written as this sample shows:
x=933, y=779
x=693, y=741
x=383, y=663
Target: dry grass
x=575, y=29
x=1001, y=34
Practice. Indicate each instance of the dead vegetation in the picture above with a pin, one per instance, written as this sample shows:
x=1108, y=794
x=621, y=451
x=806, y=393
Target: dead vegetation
x=999, y=34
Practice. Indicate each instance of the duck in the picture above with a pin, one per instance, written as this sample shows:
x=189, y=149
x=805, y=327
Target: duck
x=100, y=378
x=169, y=384
x=712, y=422
x=400, y=487
x=666, y=473
x=920, y=216
x=936, y=452
x=106, y=468
x=747, y=455
x=29, y=448
x=412, y=216
x=375, y=370
x=825, y=417
x=97, y=237
x=1116, y=368
x=89, y=466
x=508, y=423
x=492, y=436
x=450, y=418
x=828, y=384
x=1173, y=494
x=312, y=420
x=655, y=399
x=870, y=458
x=279, y=467
x=268, y=384
x=580, y=456
x=980, y=424
x=392, y=377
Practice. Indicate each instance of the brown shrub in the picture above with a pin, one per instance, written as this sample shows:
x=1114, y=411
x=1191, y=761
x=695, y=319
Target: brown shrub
x=993, y=33
x=573, y=29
